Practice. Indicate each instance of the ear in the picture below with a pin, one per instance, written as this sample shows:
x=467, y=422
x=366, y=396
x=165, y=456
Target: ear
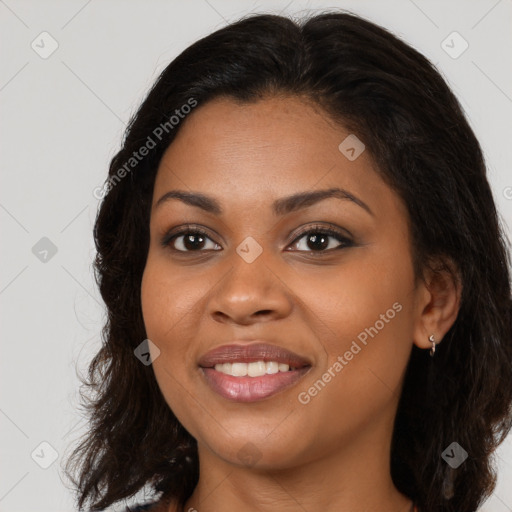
x=437, y=303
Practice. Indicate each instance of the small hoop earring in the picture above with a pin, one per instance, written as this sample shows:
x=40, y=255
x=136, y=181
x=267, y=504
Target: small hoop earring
x=433, y=341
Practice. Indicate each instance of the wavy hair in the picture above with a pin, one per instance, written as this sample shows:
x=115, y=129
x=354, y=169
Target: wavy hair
x=373, y=84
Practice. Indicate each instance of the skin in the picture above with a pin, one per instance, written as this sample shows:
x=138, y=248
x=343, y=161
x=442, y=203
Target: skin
x=332, y=453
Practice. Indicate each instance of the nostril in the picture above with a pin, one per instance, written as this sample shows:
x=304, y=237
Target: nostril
x=263, y=312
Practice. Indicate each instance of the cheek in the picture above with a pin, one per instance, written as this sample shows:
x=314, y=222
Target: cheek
x=359, y=379
x=364, y=318
x=169, y=301
x=165, y=305
x=164, y=312
x=368, y=296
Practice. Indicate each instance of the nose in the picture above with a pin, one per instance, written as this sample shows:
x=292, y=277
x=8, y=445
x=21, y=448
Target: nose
x=250, y=293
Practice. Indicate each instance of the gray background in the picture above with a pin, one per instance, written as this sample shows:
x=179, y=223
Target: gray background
x=62, y=121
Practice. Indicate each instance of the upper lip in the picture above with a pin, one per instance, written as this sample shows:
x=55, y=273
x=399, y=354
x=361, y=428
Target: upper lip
x=244, y=353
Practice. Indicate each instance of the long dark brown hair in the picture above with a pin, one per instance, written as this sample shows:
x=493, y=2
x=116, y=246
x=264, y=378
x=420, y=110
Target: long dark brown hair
x=394, y=99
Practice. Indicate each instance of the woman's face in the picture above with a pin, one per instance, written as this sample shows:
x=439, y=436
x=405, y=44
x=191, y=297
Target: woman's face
x=265, y=278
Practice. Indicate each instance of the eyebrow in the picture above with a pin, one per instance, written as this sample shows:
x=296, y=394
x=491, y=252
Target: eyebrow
x=282, y=206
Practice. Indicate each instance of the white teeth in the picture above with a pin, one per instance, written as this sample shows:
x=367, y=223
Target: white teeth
x=224, y=368
x=256, y=369
x=272, y=367
x=239, y=369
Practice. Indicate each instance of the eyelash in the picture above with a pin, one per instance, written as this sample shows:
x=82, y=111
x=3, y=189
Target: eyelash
x=322, y=230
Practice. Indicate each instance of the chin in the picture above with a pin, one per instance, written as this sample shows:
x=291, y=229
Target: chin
x=260, y=452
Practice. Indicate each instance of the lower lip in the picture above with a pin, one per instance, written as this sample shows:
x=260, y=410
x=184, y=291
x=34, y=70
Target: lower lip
x=251, y=389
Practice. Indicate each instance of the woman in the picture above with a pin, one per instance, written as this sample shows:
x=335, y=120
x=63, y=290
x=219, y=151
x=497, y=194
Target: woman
x=299, y=235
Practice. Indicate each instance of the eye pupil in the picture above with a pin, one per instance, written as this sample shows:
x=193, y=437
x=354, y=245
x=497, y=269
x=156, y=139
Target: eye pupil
x=319, y=242
x=190, y=244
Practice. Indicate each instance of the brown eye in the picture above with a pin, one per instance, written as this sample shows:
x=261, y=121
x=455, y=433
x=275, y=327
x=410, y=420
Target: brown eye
x=190, y=240
x=321, y=240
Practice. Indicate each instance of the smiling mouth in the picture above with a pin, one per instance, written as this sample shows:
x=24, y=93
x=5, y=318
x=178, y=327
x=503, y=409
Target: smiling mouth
x=249, y=373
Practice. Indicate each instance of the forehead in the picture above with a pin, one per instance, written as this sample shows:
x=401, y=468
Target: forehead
x=263, y=150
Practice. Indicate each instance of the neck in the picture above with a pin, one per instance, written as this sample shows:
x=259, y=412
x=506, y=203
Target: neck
x=352, y=476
